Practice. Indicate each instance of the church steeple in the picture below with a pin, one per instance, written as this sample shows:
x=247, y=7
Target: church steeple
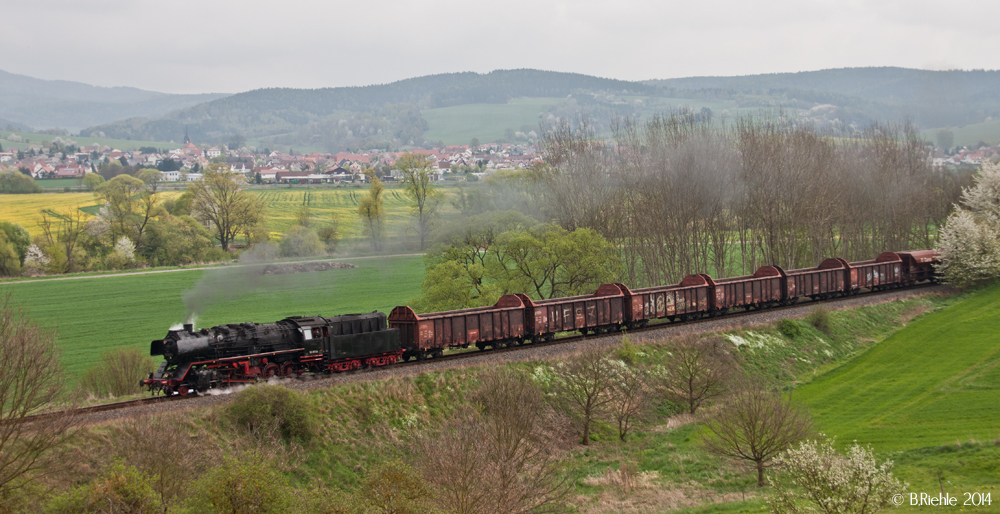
x=186, y=138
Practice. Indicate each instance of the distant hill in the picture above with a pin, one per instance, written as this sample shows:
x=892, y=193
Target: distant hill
x=930, y=98
x=401, y=113
x=345, y=115
x=42, y=104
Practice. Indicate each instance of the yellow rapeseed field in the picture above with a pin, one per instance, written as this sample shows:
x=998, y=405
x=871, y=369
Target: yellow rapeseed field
x=26, y=210
x=282, y=206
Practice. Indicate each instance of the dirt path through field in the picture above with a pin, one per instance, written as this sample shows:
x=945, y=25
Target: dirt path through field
x=151, y=272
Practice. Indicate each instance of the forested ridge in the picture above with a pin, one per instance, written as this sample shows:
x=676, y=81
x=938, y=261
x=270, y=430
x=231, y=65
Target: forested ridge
x=390, y=114
x=281, y=110
x=930, y=98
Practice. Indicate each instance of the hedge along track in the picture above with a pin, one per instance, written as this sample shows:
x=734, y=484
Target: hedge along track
x=92, y=414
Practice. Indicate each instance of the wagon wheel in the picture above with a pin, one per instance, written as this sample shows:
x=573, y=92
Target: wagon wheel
x=270, y=370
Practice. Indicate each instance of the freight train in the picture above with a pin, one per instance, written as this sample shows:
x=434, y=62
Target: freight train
x=226, y=355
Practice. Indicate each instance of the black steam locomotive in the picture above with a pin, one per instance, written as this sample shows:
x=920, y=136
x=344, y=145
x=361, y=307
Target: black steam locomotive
x=225, y=355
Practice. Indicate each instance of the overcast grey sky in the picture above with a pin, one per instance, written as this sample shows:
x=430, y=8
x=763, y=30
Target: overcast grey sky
x=189, y=46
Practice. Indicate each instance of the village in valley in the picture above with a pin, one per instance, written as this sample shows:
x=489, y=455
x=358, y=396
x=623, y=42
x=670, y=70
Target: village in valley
x=62, y=158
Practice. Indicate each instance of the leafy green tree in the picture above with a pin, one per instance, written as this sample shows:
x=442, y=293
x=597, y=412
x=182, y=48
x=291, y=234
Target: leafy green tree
x=371, y=208
x=151, y=177
x=63, y=234
x=10, y=262
x=416, y=171
x=92, y=180
x=18, y=237
x=13, y=182
x=550, y=262
x=130, y=205
x=450, y=285
x=175, y=240
x=474, y=144
x=222, y=202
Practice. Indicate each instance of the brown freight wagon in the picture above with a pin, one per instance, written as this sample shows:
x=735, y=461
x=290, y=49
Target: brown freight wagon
x=883, y=272
x=918, y=265
x=423, y=335
x=764, y=288
x=827, y=280
x=600, y=312
x=687, y=300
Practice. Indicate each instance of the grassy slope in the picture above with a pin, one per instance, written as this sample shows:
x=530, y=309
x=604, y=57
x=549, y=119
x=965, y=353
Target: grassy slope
x=120, y=144
x=987, y=131
x=932, y=383
x=459, y=124
x=93, y=315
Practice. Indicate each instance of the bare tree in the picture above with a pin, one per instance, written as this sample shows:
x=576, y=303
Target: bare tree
x=756, y=424
x=698, y=371
x=416, y=172
x=395, y=488
x=498, y=459
x=162, y=448
x=583, y=385
x=32, y=379
x=629, y=396
x=371, y=208
x=118, y=373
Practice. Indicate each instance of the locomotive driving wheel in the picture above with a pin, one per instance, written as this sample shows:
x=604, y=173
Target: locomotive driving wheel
x=270, y=371
x=287, y=369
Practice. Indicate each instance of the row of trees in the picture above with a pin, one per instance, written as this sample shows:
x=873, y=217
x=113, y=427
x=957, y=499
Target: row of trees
x=680, y=195
x=135, y=227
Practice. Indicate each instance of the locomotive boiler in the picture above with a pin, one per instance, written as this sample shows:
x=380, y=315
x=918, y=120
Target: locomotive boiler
x=223, y=355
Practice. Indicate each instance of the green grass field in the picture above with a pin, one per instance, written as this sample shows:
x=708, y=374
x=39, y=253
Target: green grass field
x=935, y=382
x=969, y=135
x=96, y=314
x=459, y=124
x=59, y=183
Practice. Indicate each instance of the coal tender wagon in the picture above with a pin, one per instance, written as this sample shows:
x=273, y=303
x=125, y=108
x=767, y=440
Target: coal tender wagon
x=225, y=355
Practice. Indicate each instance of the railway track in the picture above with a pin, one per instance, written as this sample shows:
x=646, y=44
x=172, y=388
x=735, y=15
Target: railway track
x=774, y=312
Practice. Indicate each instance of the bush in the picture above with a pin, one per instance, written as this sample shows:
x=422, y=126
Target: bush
x=789, y=328
x=263, y=409
x=301, y=241
x=820, y=319
x=118, y=373
x=120, y=489
x=245, y=483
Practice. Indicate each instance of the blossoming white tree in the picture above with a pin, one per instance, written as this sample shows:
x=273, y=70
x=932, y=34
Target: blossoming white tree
x=969, y=242
x=816, y=478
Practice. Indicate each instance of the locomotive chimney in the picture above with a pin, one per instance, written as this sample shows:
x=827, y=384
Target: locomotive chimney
x=189, y=327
